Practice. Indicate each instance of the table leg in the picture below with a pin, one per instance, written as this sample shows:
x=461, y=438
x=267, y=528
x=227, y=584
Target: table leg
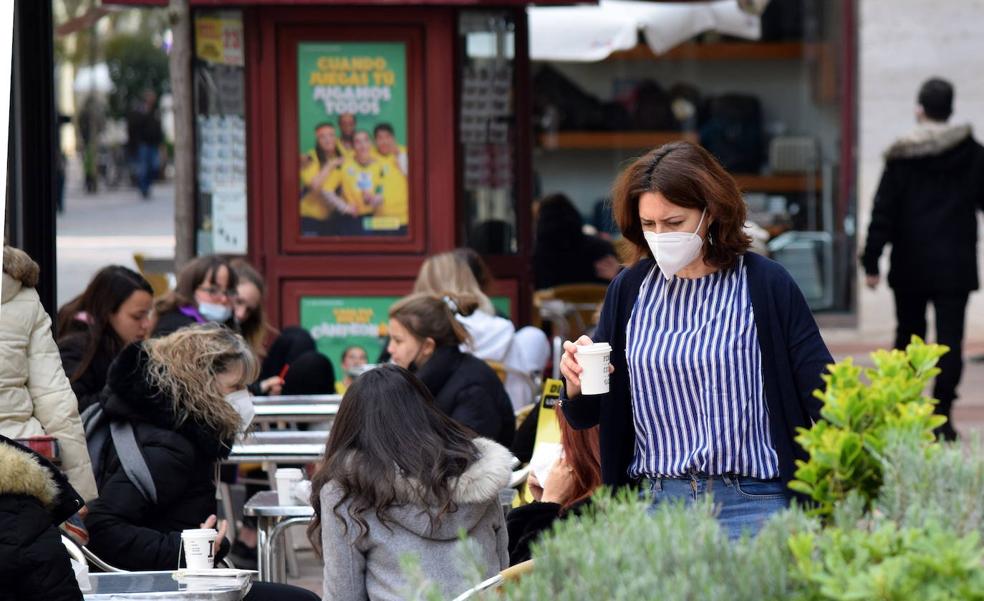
x=264, y=525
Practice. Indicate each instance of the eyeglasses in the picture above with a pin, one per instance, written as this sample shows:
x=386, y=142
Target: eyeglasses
x=215, y=291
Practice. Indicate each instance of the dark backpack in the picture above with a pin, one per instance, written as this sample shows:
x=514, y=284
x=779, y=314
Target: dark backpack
x=733, y=132
x=100, y=429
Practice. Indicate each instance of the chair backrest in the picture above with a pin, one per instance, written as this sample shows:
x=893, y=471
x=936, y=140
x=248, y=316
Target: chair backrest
x=153, y=271
x=509, y=574
x=84, y=555
x=569, y=307
x=499, y=368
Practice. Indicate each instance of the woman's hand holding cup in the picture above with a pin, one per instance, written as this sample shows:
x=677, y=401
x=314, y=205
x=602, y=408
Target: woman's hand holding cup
x=571, y=369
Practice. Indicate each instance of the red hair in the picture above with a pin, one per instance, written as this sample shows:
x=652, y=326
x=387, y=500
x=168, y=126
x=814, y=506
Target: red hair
x=582, y=453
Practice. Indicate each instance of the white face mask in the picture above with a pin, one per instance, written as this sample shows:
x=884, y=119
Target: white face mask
x=214, y=312
x=242, y=401
x=675, y=250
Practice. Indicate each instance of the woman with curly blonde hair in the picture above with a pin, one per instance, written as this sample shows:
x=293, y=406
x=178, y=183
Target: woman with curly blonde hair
x=185, y=397
x=177, y=394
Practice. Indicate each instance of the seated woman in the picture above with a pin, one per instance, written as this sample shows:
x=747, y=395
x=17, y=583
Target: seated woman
x=178, y=394
x=565, y=491
x=425, y=337
x=34, y=498
x=493, y=338
x=205, y=292
x=400, y=478
x=115, y=309
x=563, y=253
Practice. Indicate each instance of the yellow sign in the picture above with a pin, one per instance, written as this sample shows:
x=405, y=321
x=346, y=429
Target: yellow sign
x=219, y=40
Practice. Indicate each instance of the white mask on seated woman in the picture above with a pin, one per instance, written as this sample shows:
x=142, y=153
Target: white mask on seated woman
x=242, y=401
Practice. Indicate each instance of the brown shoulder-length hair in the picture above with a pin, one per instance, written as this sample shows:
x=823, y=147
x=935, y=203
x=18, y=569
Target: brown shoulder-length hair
x=256, y=328
x=688, y=176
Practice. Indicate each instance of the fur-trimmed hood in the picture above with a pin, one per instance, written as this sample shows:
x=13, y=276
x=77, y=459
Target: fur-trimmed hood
x=928, y=139
x=475, y=493
x=21, y=474
x=129, y=394
x=19, y=271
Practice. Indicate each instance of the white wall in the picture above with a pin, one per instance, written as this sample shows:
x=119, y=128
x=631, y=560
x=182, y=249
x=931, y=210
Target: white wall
x=901, y=43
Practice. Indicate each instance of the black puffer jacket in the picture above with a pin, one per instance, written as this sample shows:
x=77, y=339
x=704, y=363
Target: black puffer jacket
x=89, y=384
x=34, y=498
x=469, y=391
x=926, y=208
x=125, y=529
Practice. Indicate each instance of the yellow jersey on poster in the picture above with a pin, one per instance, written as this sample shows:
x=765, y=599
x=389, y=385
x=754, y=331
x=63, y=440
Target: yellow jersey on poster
x=314, y=205
x=396, y=198
x=357, y=180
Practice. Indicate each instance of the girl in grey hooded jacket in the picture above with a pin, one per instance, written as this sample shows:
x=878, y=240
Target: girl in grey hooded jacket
x=400, y=478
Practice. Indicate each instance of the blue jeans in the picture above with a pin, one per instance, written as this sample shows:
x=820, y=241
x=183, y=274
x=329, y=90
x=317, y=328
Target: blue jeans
x=147, y=165
x=742, y=504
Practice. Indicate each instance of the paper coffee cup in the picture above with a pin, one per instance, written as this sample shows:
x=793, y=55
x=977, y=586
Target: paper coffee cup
x=594, y=359
x=198, y=545
x=286, y=478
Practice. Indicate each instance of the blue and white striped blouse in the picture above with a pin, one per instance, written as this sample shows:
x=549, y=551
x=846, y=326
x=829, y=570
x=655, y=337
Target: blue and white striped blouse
x=695, y=371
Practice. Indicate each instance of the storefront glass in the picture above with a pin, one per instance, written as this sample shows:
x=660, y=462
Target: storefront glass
x=764, y=93
x=487, y=131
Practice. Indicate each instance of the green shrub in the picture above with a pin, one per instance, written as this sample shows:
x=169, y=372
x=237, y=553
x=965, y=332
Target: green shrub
x=888, y=563
x=846, y=447
x=620, y=550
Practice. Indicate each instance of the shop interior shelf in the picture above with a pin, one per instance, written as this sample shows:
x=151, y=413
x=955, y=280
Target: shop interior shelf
x=724, y=51
x=611, y=140
x=796, y=182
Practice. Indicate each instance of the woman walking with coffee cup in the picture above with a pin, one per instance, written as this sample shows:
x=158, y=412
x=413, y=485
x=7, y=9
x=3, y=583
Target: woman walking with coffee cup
x=714, y=351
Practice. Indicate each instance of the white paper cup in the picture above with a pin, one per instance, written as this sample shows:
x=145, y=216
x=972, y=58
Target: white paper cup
x=286, y=478
x=198, y=545
x=594, y=359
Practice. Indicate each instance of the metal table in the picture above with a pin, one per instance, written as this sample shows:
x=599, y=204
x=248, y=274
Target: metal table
x=127, y=586
x=296, y=409
x=280, y=446
x=272, y=522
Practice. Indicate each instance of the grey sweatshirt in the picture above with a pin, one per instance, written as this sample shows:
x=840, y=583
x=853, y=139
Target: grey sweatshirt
x=369, y=569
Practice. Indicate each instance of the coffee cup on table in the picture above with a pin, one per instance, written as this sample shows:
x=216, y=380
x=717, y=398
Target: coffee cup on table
x=199, y=545
x=286, y=478
x=594, y=360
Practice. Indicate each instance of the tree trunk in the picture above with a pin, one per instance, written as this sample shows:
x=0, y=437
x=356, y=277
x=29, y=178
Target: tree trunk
x=184, y=152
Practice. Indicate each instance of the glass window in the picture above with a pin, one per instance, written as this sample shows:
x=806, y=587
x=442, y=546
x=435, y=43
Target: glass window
x=761, y=92
x=220, y=132
x=487, y=130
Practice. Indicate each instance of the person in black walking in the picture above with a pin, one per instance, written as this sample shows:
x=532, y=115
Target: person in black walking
x=925, y=208
x=145, y=138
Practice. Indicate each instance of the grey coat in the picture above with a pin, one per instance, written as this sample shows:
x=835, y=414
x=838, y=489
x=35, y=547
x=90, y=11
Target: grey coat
x=369, y=569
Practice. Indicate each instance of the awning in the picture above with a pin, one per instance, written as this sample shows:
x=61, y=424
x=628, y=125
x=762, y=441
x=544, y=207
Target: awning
x=591, y=33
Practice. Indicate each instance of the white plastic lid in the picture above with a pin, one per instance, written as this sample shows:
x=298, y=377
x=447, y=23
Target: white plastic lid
x=598, y=348
x=199, y=533
x=289, y=472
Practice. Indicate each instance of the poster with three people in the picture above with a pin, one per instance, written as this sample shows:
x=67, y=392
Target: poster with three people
x=352, y=124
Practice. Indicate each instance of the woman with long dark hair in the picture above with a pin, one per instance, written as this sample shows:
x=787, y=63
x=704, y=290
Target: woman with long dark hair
x=115, y=309
x=400, y=477
x=425, y=337
x=564, y=491
x=205, y=292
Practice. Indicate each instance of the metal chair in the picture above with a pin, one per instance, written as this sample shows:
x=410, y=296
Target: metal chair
x=509, y=574
x=84, y=555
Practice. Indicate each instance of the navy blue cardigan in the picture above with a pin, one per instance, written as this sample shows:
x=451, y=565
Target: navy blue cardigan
x=793, y=358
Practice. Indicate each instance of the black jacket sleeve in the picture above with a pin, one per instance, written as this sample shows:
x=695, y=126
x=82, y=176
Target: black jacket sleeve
x=117, y=521
x=525, y=524
x=34, y=560
x=883, y=215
